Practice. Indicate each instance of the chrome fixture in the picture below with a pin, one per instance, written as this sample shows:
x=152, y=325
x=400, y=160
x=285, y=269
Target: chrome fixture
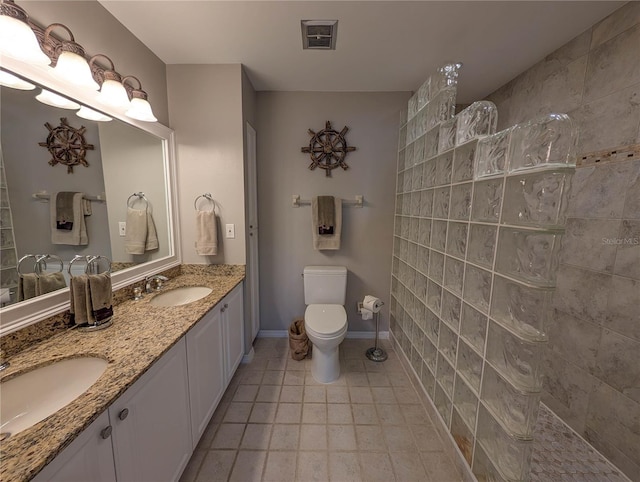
x=154, y=282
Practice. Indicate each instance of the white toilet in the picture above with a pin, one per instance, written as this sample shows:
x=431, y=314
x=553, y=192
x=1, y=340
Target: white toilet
x=325, y=319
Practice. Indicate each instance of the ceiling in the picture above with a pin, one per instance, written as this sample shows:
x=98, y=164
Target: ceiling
x=381, y=45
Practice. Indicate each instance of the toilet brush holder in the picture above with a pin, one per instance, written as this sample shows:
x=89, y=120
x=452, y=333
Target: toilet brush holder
x=375, y=353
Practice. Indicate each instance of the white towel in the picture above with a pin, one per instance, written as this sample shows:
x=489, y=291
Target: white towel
x=326, y=241
x=141, y=232
x=206, y=233
x=78, y=234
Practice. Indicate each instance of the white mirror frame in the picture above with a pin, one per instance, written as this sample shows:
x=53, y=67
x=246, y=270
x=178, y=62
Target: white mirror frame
x=23, y=314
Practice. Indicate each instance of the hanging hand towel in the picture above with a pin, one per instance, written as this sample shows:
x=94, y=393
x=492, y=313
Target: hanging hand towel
x=78, y=299
x=141, y=232
x=325, y=240
x=206, y=233
x=48, y=282
x=152, y=235
x=99, y=298
x=67, y=219
x=27, y=286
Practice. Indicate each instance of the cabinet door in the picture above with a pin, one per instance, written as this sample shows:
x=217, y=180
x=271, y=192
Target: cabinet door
x=205, y=359
x=88, y=457
x=233, y=319
x=151, y=423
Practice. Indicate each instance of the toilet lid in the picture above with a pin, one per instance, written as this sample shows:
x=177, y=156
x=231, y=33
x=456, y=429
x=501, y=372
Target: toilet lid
x=325, y=319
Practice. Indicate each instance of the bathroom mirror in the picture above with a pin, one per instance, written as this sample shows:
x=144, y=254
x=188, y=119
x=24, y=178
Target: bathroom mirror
x=127, y=157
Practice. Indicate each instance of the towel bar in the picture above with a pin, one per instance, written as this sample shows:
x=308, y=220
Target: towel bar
x=139, y=196
x=45, y=196
x=297, y=202
x=206, y=195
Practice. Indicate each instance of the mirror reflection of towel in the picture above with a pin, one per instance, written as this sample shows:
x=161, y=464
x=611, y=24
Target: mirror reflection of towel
x=63, y=231
x=27, y=286
x=141, y=232
x=48, y=282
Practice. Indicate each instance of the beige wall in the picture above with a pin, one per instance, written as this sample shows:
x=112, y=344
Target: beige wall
x=99, y=32
x=285, y=232
x=205, y=106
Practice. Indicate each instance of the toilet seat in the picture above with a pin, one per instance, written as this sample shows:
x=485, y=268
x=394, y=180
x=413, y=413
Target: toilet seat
x=325, y=321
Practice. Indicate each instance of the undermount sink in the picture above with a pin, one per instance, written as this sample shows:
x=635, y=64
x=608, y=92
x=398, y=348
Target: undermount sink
x=180, y=296
x=32, y=396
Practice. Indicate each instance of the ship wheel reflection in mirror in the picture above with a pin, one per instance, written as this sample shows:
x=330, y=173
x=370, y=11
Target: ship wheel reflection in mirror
x=328, y=149
x=66, y=145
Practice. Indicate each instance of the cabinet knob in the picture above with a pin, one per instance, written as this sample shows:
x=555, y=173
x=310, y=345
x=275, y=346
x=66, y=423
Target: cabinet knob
x=124, y=413
x=106, y=432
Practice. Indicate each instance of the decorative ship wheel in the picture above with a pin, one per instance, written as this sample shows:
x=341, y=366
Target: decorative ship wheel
x=67, y=145
x=328, y=149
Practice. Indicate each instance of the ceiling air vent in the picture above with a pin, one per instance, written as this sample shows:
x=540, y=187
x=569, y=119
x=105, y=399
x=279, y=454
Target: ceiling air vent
x=319, y=34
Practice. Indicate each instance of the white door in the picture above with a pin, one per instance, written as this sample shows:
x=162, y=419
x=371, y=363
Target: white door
x=253, y=273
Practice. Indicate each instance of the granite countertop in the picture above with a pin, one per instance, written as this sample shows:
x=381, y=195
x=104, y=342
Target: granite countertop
x=141, y=333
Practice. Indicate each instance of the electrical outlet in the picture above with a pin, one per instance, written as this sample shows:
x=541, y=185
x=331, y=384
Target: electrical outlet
x=231, y=231
x=122, y=228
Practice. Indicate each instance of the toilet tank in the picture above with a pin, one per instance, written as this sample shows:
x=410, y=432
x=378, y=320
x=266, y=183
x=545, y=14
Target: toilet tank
x=325, y=285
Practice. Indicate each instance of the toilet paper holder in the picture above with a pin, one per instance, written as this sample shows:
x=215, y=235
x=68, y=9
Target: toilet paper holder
x=375, y=353
x=359, y=306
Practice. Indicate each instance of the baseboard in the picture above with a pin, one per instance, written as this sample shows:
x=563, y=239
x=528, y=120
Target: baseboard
x=248, y=358
x=369, y=335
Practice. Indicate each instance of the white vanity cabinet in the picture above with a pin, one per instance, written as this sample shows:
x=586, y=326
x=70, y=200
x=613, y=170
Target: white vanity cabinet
x=151, y=424
x=215, y=347
x=88, y=458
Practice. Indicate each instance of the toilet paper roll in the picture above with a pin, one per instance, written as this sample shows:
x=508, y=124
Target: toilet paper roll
x=372, y=303
x=366, y=314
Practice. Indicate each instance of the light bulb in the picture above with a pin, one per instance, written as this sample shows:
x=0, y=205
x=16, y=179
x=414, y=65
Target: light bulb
x=17, y=40
x=90, y=114
x=10, y=80
x=74, y=69
x=141, y=110
x=114, y=94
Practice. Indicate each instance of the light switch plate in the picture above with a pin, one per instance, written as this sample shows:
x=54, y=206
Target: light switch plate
x=231, y=231
x=122, y=228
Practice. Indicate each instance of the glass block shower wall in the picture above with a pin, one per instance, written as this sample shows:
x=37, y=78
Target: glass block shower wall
x=479, y=218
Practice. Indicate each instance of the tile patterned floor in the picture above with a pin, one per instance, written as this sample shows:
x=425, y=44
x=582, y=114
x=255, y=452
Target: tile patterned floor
x=275, y=423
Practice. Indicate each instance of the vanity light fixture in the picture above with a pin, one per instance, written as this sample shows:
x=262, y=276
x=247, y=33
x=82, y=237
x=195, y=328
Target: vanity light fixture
x=71, y=64
x=55, y=100
x=93, y=115
x=10, y=80
x=17, y=39
x=112, y=91
x=140, y=108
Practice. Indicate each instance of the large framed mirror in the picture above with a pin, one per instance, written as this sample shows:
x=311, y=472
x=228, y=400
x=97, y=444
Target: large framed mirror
x=123, y=157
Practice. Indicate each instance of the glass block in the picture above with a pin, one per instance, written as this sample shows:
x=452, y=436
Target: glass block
x=448, y=343
x=450, y=314
x=460, y=202
x=401, y=155
x=416, y=359
x=404, y=114
x=405, y=226
x=473, y=327
x=453, y=275
x=482, y=241
x=431, y=142
x=469, y=365
x=524, y=309
x=413, y=229
x=547, y=141
x=422, y=259
x=429, y=173
x=424, y=232
x=531, y=256
x=411, y=130
x=423, y=94
x=516, y=359
x=445, y=77
x=399, y=199
x=436, y=266
x=511, y=456
x=438, y=234
x=418, y=149
x=462, y=435
x=5, y=218
x=447, y=138
x=443, y=168
x=457, y=240
x=412, y=251
x=463, y=162
x=432, y=323
x=491, y=155
x=407, y=180
x=421, y=286
x=487, y=201
x=434, y=295
x=537, y=199
x=409, y=160
x=441, y=203
x=516, y=410
x=426, y=202
x=477, y=288
x=465, y=402
x=406, y=204
x=9, y=278
x=443, y=404
x=441, y=108
x=413, y=106
x=428, y=379
x=478, y=120
x=400, y=183
x=416, y=178
x=445, y=375
x=483, y=467
x=402, y=138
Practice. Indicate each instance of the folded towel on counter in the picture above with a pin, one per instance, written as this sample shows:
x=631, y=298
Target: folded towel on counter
x=326, y=241
x=206, y=233
x=67, y=224
x=27, y=286
x=141, y=232
x=78, y=299
x=99, y=298
x=48, y=282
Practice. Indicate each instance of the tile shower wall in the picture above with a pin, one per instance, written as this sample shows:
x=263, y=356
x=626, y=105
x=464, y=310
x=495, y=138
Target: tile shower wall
x=479, y=218
x=591, y=366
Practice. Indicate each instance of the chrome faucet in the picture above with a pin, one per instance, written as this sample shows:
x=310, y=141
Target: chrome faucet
x=154, y=283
